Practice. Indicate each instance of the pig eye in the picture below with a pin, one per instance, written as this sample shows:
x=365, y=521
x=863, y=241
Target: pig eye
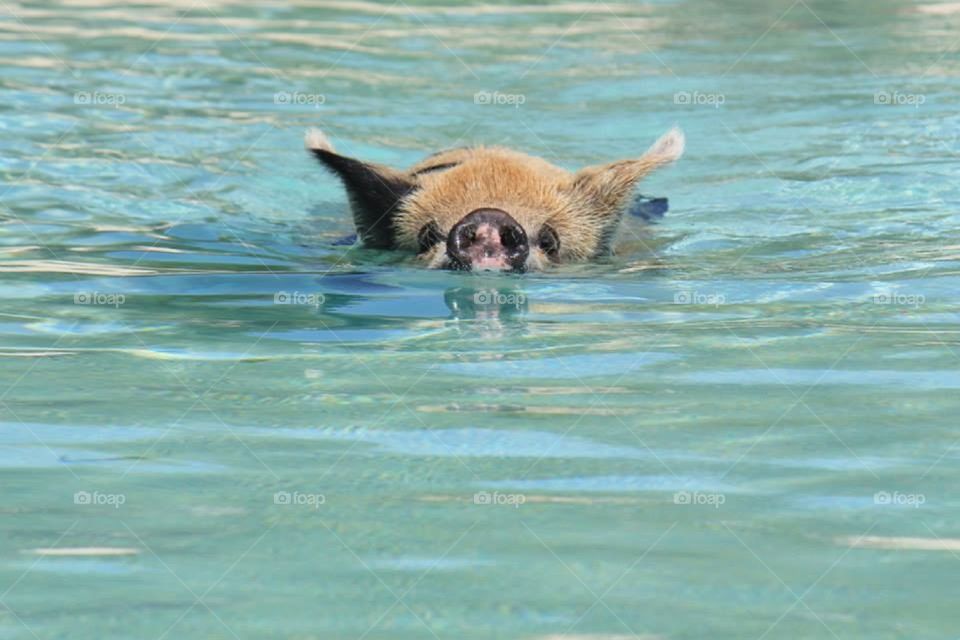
x=429, y=236
x=548, y=241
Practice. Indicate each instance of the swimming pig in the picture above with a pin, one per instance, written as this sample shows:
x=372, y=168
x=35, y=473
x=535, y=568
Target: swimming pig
x=491, y=208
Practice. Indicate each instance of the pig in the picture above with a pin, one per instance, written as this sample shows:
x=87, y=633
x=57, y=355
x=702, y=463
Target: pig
x=490, y=208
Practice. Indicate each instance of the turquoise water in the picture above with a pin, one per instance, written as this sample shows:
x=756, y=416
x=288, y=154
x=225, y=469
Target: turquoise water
x=742, y=427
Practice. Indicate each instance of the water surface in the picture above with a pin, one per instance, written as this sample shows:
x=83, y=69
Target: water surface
x=217, y=422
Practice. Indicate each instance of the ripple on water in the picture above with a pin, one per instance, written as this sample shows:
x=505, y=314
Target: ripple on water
x=37, y=446
x=562, y=367
x=938, y=379
x=621, y=484
x=475, y=442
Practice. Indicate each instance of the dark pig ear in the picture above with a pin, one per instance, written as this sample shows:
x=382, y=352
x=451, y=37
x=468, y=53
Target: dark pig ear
x=374, y=190
x=606, y=190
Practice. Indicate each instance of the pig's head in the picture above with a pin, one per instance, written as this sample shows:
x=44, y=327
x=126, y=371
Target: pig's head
x=491, y=208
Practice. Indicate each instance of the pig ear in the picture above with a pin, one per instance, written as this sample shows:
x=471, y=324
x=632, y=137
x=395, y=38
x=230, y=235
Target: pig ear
x=606, y=190
x=374, y=190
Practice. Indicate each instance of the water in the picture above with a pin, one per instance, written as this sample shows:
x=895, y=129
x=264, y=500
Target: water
x=743, y=427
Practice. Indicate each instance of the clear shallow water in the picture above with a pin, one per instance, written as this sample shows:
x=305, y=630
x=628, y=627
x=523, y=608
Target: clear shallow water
x=745, y=427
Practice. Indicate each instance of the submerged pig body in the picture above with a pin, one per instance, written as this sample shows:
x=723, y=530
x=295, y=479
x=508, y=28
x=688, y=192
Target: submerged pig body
x=492, y=208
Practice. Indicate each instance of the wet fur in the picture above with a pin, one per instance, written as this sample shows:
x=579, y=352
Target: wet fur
x=391, y=208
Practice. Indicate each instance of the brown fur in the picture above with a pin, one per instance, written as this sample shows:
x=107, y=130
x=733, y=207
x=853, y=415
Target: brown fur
x=391, y=208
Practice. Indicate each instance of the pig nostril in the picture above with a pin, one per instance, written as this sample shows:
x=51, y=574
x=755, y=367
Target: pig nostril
x=511, y=237
x=468, y=235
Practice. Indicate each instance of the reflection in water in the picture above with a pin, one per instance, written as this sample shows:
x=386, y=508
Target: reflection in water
x=498, y=311
x=485, y=303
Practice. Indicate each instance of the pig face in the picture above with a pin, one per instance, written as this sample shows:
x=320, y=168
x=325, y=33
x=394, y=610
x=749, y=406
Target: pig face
x=491, y=208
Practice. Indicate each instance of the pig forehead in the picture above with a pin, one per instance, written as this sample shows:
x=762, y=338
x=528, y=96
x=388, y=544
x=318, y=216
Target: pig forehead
x=528, y=190
x=446, y=209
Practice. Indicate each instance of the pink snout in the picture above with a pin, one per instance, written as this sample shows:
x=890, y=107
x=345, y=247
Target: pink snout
x=488, y=240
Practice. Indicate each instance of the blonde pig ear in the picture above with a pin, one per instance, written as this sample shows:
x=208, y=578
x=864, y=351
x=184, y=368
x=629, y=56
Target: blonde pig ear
x=611, y=184
x=375, y=191
x=605, y=190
